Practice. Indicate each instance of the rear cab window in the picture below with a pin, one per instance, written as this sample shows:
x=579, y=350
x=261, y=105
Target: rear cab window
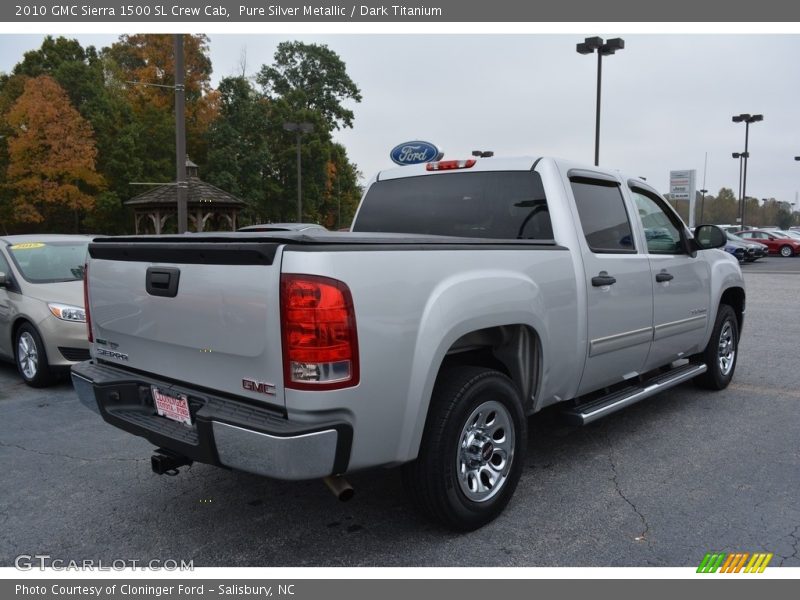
x=604, y=219
x=484, y=204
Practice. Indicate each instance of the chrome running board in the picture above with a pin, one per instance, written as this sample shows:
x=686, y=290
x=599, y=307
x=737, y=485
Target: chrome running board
x=583, y=414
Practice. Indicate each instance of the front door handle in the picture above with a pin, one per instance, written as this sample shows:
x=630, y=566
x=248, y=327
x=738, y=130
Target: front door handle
x=664, y=276
x=603, y=279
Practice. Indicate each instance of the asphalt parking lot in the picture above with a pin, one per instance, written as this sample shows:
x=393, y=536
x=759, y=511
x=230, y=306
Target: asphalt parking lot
x=659, y=484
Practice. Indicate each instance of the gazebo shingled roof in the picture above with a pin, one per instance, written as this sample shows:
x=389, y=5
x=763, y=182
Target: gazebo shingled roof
x=203, y=202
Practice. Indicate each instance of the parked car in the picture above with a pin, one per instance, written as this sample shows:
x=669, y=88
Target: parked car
x=42, y=318
x=753, y=249
x=791, y=233
x=536, y=282
x=737, y=249
x=283, y=227
x=777, y=242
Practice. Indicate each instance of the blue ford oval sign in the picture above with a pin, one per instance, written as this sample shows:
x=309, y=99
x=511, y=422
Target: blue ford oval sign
x=413, y=153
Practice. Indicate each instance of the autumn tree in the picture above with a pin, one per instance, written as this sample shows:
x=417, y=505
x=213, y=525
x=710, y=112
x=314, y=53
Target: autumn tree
x=51, y=156
x=149, y=60
x=121, y=139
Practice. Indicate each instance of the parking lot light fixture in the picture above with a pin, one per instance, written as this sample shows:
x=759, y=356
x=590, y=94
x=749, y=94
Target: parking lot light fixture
x=702, y=203
x=747, y=119
x=603, y=48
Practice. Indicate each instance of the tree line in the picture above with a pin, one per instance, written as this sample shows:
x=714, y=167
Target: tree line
x=724, y=209
x=79, y=126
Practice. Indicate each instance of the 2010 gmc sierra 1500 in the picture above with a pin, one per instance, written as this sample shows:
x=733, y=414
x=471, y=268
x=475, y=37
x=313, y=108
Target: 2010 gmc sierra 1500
x=468, y=295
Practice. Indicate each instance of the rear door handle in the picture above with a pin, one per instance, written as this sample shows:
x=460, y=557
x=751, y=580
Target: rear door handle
x=664, y=276
x=603, y=279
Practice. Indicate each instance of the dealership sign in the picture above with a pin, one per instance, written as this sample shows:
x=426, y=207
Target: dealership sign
x=682, y=187
x=414, y=153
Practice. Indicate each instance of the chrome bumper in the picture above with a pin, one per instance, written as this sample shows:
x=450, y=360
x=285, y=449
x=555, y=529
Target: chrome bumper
x=225, y=432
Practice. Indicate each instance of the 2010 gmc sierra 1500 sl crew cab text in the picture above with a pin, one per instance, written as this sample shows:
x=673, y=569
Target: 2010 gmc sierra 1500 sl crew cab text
x=467, y=296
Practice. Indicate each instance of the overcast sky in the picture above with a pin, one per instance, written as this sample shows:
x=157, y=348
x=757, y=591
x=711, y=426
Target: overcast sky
x=667, y=99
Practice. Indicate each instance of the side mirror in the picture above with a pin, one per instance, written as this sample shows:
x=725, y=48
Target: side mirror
x=3, y=280
x=707, y=237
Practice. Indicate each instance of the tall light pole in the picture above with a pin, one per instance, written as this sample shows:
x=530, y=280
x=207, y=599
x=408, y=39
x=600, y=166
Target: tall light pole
x=702, y=204
x=740, y=156
x=746, y=118
x=603, y=48
x=299, y=129
x=182, y=187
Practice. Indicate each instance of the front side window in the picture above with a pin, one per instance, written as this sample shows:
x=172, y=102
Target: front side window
x=662, y=235
x=603, y=216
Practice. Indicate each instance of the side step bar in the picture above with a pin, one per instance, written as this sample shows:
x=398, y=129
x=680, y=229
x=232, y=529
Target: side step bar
x=583, y=414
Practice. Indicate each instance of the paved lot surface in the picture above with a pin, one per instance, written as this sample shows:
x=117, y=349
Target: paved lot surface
x=659, y=484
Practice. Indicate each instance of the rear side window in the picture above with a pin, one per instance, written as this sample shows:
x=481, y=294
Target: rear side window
x=488, y=204
x=603, y=216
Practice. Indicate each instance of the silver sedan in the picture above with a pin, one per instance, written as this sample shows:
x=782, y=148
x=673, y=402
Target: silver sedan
x=42, y=318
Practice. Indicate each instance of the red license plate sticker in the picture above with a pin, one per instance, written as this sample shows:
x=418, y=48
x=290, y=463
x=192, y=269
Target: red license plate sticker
x=175, y=407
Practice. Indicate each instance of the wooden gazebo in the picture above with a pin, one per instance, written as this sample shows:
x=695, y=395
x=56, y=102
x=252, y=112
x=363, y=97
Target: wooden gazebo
x=207, y=205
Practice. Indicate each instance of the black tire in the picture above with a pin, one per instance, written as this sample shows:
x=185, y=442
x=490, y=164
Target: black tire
x=33, y=366
x=786, y=251
x=726, y=326
x=433, y=480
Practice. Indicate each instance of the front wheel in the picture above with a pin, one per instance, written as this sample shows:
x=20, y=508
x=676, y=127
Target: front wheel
x=721, y=352
x=472, y=451
x=31, y=357
x=786, y=251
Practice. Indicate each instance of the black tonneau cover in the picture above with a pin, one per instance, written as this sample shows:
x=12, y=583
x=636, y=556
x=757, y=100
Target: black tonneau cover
x=260, y=247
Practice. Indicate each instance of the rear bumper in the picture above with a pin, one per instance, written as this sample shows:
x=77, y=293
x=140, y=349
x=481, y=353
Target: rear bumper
x=225, y=431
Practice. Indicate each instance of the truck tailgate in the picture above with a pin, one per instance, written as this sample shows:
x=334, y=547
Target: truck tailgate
x=206, y=314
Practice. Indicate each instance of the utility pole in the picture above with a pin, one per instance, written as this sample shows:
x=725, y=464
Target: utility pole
x=299, y=129
x=182, y=185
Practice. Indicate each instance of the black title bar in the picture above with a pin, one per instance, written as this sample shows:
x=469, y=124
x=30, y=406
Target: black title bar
x=282, y=11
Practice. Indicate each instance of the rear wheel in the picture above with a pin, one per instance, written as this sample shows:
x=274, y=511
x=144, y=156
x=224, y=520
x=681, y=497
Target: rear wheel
x=472, y=451
x=721, y=353
x=786, y=251
x=31, y=357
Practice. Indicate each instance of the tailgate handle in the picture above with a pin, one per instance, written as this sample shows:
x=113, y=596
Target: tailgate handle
x=162, y=281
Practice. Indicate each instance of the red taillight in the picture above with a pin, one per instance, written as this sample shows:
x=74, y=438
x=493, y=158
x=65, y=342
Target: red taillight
x=320, y=346
x=447, y=165
x=86, y=301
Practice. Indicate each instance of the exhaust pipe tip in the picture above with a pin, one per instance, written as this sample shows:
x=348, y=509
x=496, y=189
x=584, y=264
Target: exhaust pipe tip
x=340, y=487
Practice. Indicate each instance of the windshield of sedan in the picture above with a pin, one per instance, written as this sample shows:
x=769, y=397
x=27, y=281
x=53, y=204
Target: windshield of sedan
x=50, y=262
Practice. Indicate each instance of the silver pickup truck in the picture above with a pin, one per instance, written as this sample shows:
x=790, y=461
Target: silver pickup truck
x=468, y=295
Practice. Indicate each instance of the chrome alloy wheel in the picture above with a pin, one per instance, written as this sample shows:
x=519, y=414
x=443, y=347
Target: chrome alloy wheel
x=27, y=355
x=726, y=352
x=486, y=450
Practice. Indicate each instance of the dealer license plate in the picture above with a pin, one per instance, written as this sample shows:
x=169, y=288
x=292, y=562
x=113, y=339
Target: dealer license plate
x=172, y=406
